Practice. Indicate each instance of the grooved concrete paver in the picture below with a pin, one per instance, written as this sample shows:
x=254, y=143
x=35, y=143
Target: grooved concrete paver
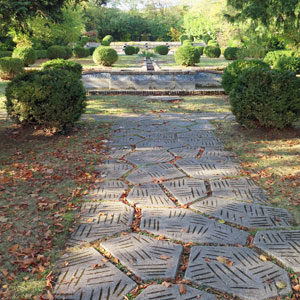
x=86, y=275
x=238, y=271
x=149, y=195
x=125, y=140
x=160, y=292
x=112, y=169
x=187, y=226
x=151, y=173
x=245, y=214
x=147, y=257
x=203, y=126
x=186, y=152
x=117, y=153
x=283, y=245
x=144, y=157
x=186, y=190
x=99, y=220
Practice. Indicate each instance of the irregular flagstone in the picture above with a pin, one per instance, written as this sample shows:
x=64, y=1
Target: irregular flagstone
x=215, y=154
x=126, y=132
x=200, y=142
x=187, y=226
x=86, y=275
x=186, y=152
x=149, y=195
x=204, y=125
x=283, y=245
x=198, y=134
x=238, y=271
x=152, y=173
x=146, y=257
x=112, y=169
x=173, y=292
x=207, y=170
x=107, y=190
x=117, y=153
x=125, y=140
x=163, y=128
x=162, y=143
x=144, y=157
x=159, y=135
x=245, y=214
x=186, y=190
x=99, y=220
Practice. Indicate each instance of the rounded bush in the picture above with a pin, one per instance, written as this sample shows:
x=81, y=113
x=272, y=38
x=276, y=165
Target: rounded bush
x=54, y=98
x=107, y=40
x=91, y=50
x=162, y=49
x=267, y=98
x=187, y=43
x=213, y=43
x=291, y=63
x=10, y=67
x=5, y=53
x=68, y=52
x=80, y=52
x=231, y=53
x=187, y=56
x=41, y=54
x=55, y=51
x=233, y=70
x=200, y=50
x=184, y=37
x=129, y=50
x=27, y=54
x=137, y=50
x=272, y=56
x=105, y=56
x=212, y=52
x=61, y=64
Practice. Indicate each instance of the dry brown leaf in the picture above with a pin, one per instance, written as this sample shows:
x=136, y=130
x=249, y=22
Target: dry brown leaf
x=182, y=289
x=221, y=259
x=263, y=258
x=165, y=257
x=167, y=284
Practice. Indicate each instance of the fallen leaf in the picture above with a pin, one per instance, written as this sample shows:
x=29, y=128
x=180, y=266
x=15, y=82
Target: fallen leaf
x=167, y=284
x=263, y=258
x=296, y=287
x=3, y=219
x=222, y=221
x=182, y=289
x=165, y=257
x=207, y=259
x=281, y=284
x=221, y=259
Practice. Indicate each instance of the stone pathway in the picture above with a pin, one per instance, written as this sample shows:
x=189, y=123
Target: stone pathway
x=169, y=175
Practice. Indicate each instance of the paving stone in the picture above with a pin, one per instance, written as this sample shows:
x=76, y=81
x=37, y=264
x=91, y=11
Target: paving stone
x=245, y=214
x=80, y=279
x=162, y=143
x=144, y=157
x=186, y=226
x=203, y=126
x=180, y=122
x=206, y=170
x=164, y=128
x=99, y=220
x=283, y=245
x=126, y=132
x=200, y=142
x=146, y=257
x=186, y=190
x=163, y=98
x=198, y=134
x=149, y=195
x=215, y=154
x=112, y=169
x=159, y=135
x=186, y=152
x=108, y=190
x=117, y=153
x=248, y=277
x=160, y=292
x=125, y=141
x=148, y=174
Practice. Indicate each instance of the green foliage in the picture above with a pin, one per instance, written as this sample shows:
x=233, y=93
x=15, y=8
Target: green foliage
x=107, y=40
x=40, y=54
x=80, y=52
x=136, y=50
x=233, y=70
x=187, y=43
x=161, y=49
x=231, y=53
x=27, y=54
x=213, y=43
x=91, y=50
x=272, y=56
x=54, y=98
x=200, y=50
x=61, y=64
x=267, y=98
x=56, y=51
x=10, y=67
x=129, y=50
x=187, y=56
x=183, y=38
x=147, y=54
x=105, y=56
x=212, y=52
x=68, y=52
x=291, y=63
x=5, y=53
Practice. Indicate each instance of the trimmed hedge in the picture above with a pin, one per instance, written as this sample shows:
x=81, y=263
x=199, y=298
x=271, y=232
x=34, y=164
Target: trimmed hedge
x=266, y=98
x=212, y=52
x=137, y=50
x=161, y=49
x=187, y=56
x=80, y=52
x=291, y=63
x=41, y=54
x=233, y=70
x=187, y=43
x=52, y=98
x=10, y=67
x=107, y=40
x=129, y=50
x=91, y=50
x=5, y=53
x=184, y=37
x=61, y=64
x=231, y=53
x=56, y=51
x=213, y=43
x=27, y=54
x=105, y=56
x=272, y=56
x=200, y=50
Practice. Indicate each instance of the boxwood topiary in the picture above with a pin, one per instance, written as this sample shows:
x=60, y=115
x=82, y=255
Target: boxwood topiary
x=213, y=43
x=27, y=54
x=291, y=63
x=80, y=52
x=10, y=67
x=267, y=98
x=52, y=98
x=105, y=56
x=183, y=37
x=231, y=53
x=61, y=64
x=5, y=53
x=137, y=50
x=233, y=70
x=56, y=51
x=161, y=49
x=91, y=50
x=187, y=56
x=41, y=54
x=212, y=51
x=200, y=50
x=272, y=56
x=187, y=43
x=107, y=40
x=129, y=50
